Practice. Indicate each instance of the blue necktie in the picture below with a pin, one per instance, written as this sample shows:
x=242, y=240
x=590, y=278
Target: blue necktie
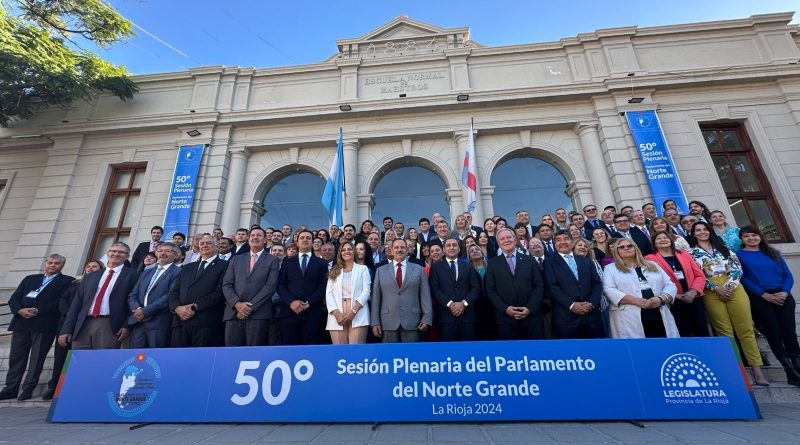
x=304, y=263
x=453, y=269
x=573, y=266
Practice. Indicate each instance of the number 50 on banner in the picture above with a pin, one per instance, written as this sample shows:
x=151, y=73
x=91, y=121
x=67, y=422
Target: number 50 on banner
x=302, y=371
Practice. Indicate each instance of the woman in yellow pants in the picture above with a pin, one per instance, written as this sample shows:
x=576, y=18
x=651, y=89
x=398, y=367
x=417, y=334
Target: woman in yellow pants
x=727, y=303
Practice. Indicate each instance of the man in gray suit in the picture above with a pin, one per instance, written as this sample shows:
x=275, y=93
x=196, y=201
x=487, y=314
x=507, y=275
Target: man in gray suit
x=401, y=299
x=151, y=320
x=248, y=286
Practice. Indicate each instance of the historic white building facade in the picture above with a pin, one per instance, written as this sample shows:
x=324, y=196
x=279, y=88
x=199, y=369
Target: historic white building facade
x=727, y=94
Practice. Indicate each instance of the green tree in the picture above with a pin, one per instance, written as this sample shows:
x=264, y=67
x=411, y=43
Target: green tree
x=42, y=63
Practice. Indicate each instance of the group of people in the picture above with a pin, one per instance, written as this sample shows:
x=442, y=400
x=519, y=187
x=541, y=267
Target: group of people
x=620, y=274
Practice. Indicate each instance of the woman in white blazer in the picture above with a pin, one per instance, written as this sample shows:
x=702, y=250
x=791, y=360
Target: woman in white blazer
x=640, y=293
x=347, y=295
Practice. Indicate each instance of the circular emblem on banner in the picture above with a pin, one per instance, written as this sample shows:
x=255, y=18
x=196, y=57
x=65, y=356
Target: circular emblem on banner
x=643, y=121
x=134, y=385
x=687, y=371
x=189, y=155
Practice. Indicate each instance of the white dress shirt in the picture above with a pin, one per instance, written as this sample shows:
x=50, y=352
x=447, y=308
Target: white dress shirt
x=104, y=306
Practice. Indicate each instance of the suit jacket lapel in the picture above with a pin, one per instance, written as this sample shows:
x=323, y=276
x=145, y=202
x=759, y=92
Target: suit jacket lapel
x=406, y=277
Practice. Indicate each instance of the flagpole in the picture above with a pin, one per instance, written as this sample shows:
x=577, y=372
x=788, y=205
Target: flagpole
x=344, y=177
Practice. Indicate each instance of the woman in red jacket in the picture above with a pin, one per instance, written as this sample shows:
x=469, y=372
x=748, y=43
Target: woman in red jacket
x=688, y=309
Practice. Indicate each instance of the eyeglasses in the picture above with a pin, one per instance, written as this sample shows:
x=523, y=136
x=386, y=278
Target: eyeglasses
x=118, y=252
x=591, y=210
x=625, y=247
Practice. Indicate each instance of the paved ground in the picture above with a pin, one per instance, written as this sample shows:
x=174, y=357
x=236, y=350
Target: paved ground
x=781, y=424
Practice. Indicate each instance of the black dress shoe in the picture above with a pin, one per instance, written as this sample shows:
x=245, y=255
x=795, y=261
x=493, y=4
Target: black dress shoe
x=7, y=395
x=24, y=396
x=48, y=395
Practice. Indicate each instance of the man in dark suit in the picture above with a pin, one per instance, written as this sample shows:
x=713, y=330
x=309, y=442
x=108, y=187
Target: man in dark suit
x=514, y=286
x=545, y=234
x=301, y=286
x=146, y=246
x=241, y=246
x=424, y=231
x=34, y=305
x=455, y=286
x=476, y=229
x=410, y=244
x=150, y=319
x=388, y=224
x=374, y=241
x=248, y=286
x=624, y=230
x=98, y=316
x=575, y=289
x=197, y=301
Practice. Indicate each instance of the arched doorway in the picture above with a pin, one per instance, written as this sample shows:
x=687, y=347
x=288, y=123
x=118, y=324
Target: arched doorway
x=526, y=182
x=295, y=199
x=408, y=194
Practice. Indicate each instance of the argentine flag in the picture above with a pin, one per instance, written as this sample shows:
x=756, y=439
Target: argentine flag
x=334, y=187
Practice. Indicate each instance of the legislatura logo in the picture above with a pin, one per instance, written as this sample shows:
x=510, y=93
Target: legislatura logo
x=685, y=378
x=134, y=385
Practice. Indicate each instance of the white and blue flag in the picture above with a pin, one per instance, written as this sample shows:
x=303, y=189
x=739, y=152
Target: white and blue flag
x=334, y=187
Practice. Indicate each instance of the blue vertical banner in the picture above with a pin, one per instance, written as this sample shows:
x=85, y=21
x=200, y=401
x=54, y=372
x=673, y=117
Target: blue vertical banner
x=181, y=191
x=662, y=176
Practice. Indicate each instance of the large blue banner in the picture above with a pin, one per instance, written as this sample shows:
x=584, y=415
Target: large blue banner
x=662, y=176
x=693, y=378
x=181, y=191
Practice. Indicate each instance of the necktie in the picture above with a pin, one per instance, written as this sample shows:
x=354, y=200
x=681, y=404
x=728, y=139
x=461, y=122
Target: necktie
x=646, y=232
x=201, y=268
x=253, y=258
x=304, y=264
x=573, y=266
x=550, y=247
x=152, y=246
x=510, y=260
x=153, y=282
x=453, y=269
x=399, y=275
x=541, y=262
x=99, y=300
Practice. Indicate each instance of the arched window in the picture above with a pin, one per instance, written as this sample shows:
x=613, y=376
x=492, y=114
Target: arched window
x=531, y=184
x=408, y=194
x=295, y=199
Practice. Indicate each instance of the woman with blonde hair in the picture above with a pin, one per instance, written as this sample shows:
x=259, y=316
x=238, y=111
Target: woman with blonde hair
x=347, y=297
x=640, y=294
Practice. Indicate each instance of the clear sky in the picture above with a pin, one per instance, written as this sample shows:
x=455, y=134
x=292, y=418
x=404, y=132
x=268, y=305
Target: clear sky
x=266, y=33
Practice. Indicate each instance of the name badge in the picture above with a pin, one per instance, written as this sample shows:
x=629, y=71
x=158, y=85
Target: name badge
x=32, y=294
x=679, y=274
x=718, y=268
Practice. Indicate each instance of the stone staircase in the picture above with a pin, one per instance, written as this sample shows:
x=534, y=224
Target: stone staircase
x=5, y=346
x=779, y=391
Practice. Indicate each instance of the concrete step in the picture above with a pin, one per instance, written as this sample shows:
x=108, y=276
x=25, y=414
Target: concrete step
x=777, y=392
x=32, y=403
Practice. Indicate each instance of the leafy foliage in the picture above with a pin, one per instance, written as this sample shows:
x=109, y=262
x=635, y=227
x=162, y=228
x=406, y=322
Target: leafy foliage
x=41, y=65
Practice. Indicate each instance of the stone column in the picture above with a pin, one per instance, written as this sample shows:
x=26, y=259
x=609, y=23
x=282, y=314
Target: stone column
x=365, y=205
x=462, y=139
x=453, y=197
x=234, y=189
x=350, y=204
x=595, y=164
x=251, y=212
x=487, y=194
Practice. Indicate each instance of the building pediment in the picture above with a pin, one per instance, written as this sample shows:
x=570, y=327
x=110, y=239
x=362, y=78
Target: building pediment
x=403, y=29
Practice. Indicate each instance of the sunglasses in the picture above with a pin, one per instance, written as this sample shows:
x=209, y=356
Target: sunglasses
x=591, y=210
x=625, y=247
